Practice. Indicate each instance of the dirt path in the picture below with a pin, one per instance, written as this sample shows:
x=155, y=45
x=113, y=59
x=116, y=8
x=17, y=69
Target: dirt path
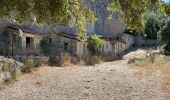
x=107, y=81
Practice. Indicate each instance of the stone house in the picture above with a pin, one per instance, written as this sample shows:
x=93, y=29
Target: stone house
x=73, y=44
x=67, y=43
x=16, y=40
x=113, y=46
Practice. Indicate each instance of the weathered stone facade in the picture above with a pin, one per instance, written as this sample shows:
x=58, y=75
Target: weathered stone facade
x=19, y=41
x=67, y=43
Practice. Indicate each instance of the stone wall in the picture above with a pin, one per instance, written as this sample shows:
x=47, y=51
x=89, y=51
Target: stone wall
x=140, y=41
x=18, y=46
x=74, y=47
x=108, y=47
x=129, y=39
x=119, y=47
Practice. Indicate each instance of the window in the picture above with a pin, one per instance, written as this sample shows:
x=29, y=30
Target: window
x=29, y=42
x=66, y=46
x=50, y=40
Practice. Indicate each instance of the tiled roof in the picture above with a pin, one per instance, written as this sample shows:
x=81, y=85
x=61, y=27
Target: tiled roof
x=15, y=27
x=70, y=36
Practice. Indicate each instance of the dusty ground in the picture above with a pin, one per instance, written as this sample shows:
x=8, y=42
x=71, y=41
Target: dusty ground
x=107, y=81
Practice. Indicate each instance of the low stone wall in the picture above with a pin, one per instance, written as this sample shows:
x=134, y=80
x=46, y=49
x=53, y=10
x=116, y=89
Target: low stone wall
x=140, y=41
x=7, y=68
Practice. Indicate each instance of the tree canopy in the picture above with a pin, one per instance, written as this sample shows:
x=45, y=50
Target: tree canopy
x=49, y=11
x=73, y=11
x=133, y=10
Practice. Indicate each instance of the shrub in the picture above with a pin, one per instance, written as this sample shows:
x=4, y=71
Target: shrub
x=165, y=38
x=28, y=65
x=152, y=26
x=108, y=56
x=92, y=60
x=95, y=44
x=16, y=73
x=65, y=59
x=1, y=71
x=2, y=86
x=37, y=63
x=45, y=47
x=77, y=61
x=40, y=61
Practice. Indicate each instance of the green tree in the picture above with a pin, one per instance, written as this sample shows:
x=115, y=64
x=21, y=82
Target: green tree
x=134, y=10
x=165, y=38
x=95, y=43
x=66, y=11
x=63, y=12
x=152, y=26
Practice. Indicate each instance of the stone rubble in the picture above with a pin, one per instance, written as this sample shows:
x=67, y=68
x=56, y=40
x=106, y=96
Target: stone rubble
x=7, y=66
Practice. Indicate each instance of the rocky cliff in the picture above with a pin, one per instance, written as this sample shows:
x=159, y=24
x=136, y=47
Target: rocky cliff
x=103, y=25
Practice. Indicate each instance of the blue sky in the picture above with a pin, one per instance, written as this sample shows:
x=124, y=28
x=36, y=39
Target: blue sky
x=166, y=0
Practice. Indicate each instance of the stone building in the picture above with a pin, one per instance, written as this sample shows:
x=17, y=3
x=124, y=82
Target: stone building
x=16, y=40
x=113, y=46
x=73, y=44
x=67, y=43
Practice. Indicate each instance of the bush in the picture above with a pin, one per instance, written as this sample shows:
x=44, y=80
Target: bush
x=28, y=65
x=165, y=38
x=2, y=86
x=109, y=56
x=1, y=71
x=16, y=73
x=77, y=61
x=45, y=47
x=92, y=60
x=95, y=44
x=65, y=59
x=39, y=61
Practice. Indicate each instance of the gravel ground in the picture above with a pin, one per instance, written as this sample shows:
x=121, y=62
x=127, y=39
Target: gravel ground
x=106, y=81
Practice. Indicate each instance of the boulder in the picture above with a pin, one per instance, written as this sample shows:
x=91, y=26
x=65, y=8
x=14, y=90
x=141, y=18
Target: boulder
x=139, y=54
x=7, y=67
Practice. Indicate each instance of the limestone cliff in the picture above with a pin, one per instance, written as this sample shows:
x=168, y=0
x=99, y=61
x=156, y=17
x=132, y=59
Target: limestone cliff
x=103, y=25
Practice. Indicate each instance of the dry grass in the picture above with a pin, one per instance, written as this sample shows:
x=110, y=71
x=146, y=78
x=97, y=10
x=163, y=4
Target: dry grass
x=161, y=64
x=28, y=65
x=2, y=86
x=92, y=60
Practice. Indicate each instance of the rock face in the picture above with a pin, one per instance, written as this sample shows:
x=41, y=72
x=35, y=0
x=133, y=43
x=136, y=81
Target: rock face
x=105, y=26
x=7, y=67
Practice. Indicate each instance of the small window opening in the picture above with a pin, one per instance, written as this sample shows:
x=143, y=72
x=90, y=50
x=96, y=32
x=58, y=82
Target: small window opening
x=50, y=40
x=29, y=42
x=66, y=46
